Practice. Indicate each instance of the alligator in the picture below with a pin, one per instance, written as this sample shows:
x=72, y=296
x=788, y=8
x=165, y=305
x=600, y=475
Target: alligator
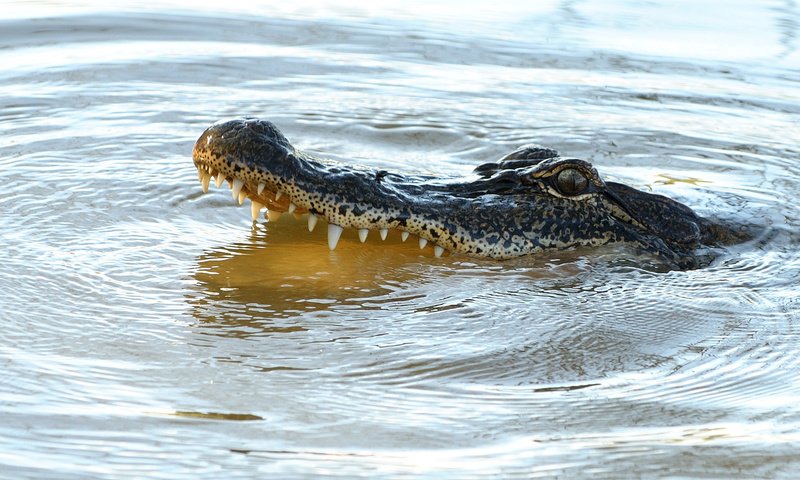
x=531, y=200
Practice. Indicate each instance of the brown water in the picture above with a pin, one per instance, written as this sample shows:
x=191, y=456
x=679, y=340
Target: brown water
x=150, y=331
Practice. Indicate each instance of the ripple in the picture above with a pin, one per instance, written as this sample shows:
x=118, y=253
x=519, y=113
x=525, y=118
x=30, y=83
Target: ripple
x=151, y=331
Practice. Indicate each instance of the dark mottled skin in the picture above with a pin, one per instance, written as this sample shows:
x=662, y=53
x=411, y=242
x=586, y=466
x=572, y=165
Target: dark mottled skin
x=530, y=201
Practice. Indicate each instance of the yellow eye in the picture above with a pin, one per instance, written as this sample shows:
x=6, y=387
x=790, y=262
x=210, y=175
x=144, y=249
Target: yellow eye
x=571, y=182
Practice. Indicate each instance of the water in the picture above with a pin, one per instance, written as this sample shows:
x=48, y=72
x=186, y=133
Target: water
x=151, y=331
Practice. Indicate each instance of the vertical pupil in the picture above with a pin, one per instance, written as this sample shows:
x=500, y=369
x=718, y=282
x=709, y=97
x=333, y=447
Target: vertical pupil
x=570, y=182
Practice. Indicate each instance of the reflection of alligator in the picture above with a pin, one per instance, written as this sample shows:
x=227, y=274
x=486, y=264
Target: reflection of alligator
x=529, y=201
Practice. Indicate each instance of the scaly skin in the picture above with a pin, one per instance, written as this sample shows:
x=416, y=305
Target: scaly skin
x=530, y=201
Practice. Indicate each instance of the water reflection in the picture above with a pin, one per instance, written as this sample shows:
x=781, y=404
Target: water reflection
x=146, y=334
x=282, y=271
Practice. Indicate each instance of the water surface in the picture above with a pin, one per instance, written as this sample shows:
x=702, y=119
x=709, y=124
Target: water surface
x=152, y=331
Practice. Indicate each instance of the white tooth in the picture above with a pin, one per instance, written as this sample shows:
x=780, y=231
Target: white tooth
x=438, y=250
x=292, y=206
x=362, y=234
x=273, y=215
x=242, y=196
x=334, y=232
x=261, y=187
x=278, y=195
x=200, y=174
x=255, y=209
x=422, y=242
x=384, y=232
x=218, y=180
x=404, y=236
x=236, y=187
x=312, y=222
x=205, y=180
x=208, y=169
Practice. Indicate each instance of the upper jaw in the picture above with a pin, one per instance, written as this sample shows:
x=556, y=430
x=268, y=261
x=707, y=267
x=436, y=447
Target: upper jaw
x=272, y=175
x=231, y=151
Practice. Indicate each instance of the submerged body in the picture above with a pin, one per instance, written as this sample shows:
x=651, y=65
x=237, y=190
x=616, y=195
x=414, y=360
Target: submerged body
x=529, y=201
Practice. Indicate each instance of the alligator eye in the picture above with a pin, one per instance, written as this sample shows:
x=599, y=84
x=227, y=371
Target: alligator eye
x=571, y=182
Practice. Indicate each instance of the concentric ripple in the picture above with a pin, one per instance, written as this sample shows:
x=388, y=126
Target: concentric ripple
x=151, y=331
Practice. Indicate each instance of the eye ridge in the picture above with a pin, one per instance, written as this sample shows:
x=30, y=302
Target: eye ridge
x=571, y=182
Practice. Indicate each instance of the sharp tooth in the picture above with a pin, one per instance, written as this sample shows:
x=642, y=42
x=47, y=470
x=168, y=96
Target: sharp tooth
x=261, y=187
x=312, y=222
x=362, y=234
x=205, y=180
x=334, y=232
x=438, y=250
x=278, y=195
x=242, y=196
x=236, y=188
x=255, y=209
x=404, y=236
x=384, y=232
x=219, y=179
x=200, y=174
x=422, y=242
x=273, y=215
x=292, y=206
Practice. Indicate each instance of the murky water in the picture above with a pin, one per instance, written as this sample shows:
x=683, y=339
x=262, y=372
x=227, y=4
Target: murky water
x=151, y=331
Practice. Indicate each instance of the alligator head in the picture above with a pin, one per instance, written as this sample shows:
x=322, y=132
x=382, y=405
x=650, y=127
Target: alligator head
x=529, y=201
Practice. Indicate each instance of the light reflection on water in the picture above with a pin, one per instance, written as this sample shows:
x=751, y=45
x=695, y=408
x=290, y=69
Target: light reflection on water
x=152, y=331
